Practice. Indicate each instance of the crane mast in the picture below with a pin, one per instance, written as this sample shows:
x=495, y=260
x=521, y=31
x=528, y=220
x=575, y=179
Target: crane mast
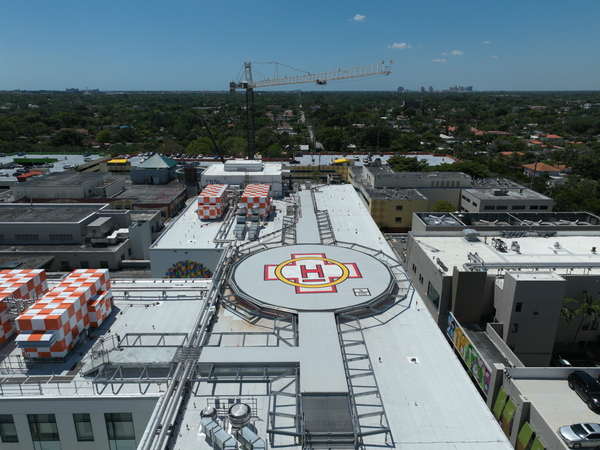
x=320, y=78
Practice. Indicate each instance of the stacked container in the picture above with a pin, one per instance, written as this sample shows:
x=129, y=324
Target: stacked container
x=212, y=201
x=18, y=284
x=50, y=328
x=256, y=198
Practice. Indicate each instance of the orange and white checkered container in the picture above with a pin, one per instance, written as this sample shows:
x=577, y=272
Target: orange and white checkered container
x=49, y=328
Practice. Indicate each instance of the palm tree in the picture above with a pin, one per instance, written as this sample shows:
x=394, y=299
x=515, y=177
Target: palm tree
x=566, y=313
x=588, y=309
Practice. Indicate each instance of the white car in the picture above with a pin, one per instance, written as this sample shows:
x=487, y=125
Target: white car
x=580, y=435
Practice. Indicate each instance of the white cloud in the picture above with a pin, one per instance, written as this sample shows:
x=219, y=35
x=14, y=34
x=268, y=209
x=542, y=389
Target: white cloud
x=453, y=53
x=494, y=57
x=441, y=60
x=359, y=18
x=487, y=42
x=399, y=46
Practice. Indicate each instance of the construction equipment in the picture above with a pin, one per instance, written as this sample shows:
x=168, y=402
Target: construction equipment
x=319, y=78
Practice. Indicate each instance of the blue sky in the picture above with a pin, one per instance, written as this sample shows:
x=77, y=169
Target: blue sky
x=202, y=45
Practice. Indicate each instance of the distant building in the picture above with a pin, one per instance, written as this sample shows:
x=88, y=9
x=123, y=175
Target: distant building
x=157, y=169
x=76, y=236
x=69, y=185
x=242, y=172
x=502, y=195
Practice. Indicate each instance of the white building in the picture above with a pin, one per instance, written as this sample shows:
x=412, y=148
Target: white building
x=242, y=172
x=313, y=337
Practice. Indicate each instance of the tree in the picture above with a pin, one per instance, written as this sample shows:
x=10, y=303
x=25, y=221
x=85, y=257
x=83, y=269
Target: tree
x=104, y=136
x=408, y=164
x=67, y=138
x=443, y=206
x=566, y=312
x=200, y=146
x=588, y=309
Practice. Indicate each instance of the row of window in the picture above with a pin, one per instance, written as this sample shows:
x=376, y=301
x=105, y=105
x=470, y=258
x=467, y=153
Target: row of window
x=514, y=207
x=432, y=294
x=43, y=427
x=66, y=265
x=446, y=183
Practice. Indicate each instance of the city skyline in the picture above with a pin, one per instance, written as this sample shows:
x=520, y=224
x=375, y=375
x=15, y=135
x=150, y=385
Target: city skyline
x=202, y=46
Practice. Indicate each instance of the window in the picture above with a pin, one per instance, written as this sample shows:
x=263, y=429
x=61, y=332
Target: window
x=489, y=207
x=120, y=430
x=43, y=429
x=104, y=264
x=85, y=264
x=414, y=268
x=433, y=295
x=534, y=207
x=543, y=206
x=1, y=237
x=398, y=207
x=518, y=207
x=27, y=237
x=83, y=427
x=515, y=328
x=398, y=219
x=8, y=431
x=65, y=265
x=502, y=207
x=518, y=307
x=60, y=237
x=475, y=204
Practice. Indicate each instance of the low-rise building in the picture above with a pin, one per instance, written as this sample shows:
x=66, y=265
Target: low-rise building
x=74, y=236
x=241, y=172
x=510, y=270
x=502, y=195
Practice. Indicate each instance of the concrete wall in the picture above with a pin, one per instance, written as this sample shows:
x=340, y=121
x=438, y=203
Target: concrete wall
x=161, y=260
x=77, y=257
x=140, y=237
x=41, y=233
x=151, y=176
x=528, y=304
x=426, y=274
x=468, y=292
x=141, y=407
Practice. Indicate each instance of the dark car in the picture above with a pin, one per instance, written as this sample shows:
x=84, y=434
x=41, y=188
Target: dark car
x=586, y=387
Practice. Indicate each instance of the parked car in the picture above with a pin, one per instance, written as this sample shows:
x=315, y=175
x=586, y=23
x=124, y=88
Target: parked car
x=586, y=387
x=580, y=435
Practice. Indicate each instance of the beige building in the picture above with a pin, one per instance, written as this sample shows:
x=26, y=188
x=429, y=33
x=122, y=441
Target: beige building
x=392, y=209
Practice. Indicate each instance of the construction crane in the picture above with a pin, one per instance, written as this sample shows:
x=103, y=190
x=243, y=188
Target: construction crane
x=319, y=78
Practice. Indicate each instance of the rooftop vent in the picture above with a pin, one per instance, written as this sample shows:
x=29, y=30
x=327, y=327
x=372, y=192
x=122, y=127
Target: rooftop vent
x=471, y=235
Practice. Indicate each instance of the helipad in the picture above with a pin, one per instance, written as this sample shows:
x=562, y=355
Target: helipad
x=312, y=277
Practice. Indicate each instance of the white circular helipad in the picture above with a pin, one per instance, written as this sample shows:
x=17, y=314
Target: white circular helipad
x=311, y=278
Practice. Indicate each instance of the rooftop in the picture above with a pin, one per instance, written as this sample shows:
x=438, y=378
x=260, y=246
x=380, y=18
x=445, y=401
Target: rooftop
x=395, y=194
x=65, y=179
x=391, y=363
x=565, y=252
x=500, y=194
x=153, y=194
x=42, y=213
